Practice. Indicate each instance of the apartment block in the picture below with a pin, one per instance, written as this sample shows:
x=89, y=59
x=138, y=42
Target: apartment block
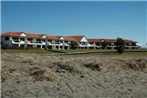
x=28, y=40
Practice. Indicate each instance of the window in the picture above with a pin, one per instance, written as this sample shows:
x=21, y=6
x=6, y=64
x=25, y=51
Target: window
x=98, y=44
x=112, y=44
x=22, y=39
x=29, y=39
x=127, y=44
x=133, y=44
x=6, y=38
x=50, y=41
x=15, y=39
x=38, y=40
x=43, y=40
x=91, y=43
x=109, y=44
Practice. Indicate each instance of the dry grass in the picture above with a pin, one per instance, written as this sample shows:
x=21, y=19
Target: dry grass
x=43, y=67
x=40, y=75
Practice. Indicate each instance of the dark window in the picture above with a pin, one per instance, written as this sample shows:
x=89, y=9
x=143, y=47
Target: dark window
x=127, y=44
x=49, y=40
x=109, y=44
x=91, y=43
x=38, y=40
x=133, y=44
x=15, y=39
x=6, y=38
x=22, y=39
x=98, y=44
x=29, y=39
x=43, y=40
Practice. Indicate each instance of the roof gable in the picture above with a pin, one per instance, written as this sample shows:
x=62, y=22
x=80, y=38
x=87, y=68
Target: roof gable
x=62, y=38
x=23, y=34
x=78, y=38
x=84, y=39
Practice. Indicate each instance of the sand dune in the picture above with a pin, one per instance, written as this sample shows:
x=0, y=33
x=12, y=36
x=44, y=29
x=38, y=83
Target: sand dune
x=43, y=76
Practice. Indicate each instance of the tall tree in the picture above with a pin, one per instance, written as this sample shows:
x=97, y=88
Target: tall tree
x=120, y=45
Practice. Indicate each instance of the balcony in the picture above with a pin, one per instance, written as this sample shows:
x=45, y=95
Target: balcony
x=111, y=46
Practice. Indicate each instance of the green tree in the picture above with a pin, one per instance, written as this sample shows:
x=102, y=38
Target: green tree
x=73, y=45
x=104, y=45
x=120, y=45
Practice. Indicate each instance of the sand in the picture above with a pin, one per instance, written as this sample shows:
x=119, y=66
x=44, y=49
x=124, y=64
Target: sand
x=43, y=76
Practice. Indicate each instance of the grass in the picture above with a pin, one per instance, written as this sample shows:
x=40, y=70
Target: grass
x=133, y=53
x=36, y=51
x=83, y=50
x=114, y=53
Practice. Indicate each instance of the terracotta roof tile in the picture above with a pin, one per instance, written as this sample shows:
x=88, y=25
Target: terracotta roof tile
x=94, y=40
x=110, y=40
x=78, y=38
x=129, y=41
x=54, y=37
x=17, y=34
x=68, y=38
x=34, y=35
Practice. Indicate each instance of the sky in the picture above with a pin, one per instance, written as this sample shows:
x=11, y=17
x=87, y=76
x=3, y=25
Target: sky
x=94, y=19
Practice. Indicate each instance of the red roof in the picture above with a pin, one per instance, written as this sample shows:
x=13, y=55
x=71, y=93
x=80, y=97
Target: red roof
x=78, y=38
x=110, y=40
x=54, y=37
x=129, y=41
x=94, y=40
x=34, y=35
x=17, y=34
x=115, y=40
x=68, y=38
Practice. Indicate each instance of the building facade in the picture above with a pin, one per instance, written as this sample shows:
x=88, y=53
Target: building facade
x=28, y=40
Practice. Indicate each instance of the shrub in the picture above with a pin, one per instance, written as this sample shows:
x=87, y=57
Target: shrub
x=73, y=45
x=104, y=45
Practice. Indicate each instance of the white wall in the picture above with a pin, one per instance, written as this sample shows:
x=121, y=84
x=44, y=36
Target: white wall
x=23, y=35
x=84, y=40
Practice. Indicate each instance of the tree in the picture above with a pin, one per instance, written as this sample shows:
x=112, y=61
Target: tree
x=73, y=45
x=104, y=45
x=120, y=45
